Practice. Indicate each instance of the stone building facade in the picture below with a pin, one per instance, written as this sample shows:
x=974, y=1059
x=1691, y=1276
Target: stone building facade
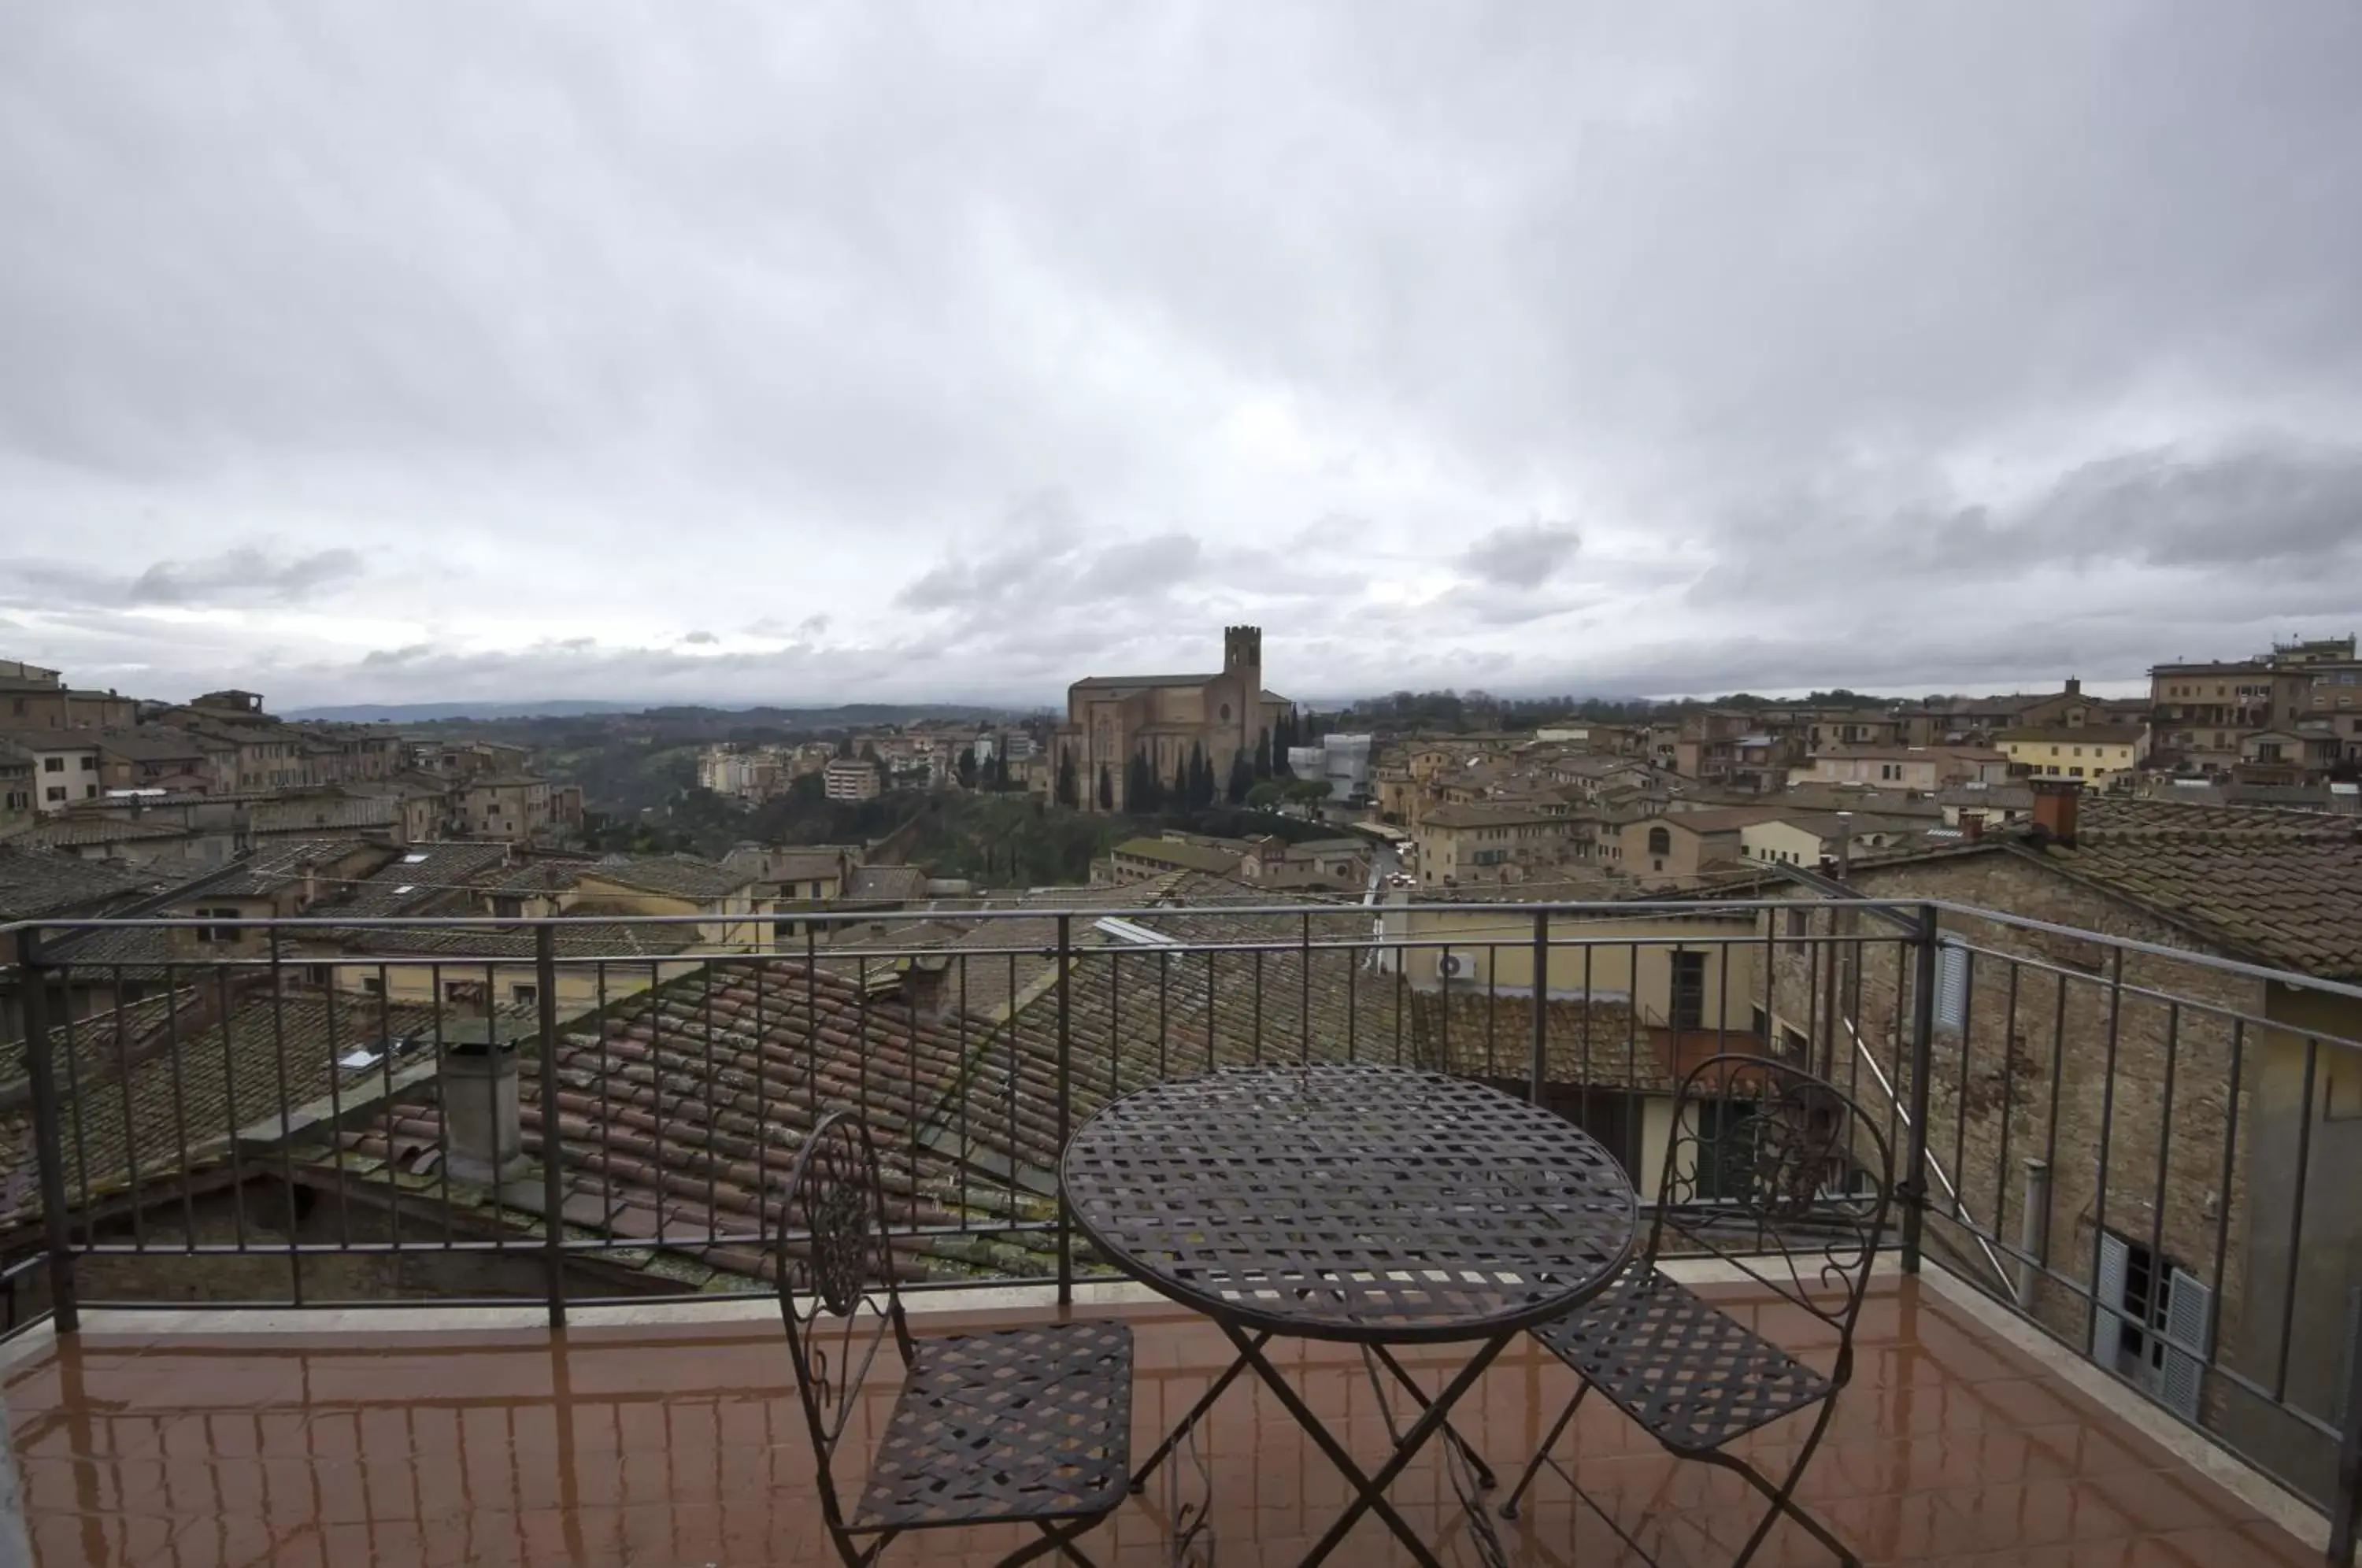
x=1111, y=718
x=2172, y=1131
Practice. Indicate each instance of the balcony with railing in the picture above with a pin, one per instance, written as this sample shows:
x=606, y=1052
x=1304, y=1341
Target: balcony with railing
x=414, y=1241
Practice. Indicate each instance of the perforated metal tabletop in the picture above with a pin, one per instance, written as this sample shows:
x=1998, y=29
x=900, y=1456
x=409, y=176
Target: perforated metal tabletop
x=1359, y=1203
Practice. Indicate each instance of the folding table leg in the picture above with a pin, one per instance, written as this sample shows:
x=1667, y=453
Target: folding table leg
x=1197, y=1413
x=1370, y=1490
x=1484, y=1477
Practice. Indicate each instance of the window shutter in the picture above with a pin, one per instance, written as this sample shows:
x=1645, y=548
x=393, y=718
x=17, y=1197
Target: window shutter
x=2185, y=1304
x=2107, y=1302
x=1951, y=986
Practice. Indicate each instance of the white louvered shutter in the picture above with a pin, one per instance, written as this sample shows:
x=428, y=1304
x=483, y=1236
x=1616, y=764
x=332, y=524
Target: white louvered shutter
x=2186, y=1313
x=2107, y=1302
x=1951, y=986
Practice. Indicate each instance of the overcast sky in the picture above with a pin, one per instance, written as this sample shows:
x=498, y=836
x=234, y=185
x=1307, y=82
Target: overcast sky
x=796, y=352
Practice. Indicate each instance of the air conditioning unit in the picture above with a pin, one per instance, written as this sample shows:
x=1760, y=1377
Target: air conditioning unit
x=1457, y=964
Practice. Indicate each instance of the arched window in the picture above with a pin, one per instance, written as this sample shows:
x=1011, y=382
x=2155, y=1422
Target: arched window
x=1661, y=841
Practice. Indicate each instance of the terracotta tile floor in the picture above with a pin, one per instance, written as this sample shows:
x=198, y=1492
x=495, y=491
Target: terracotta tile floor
x=685, y=1445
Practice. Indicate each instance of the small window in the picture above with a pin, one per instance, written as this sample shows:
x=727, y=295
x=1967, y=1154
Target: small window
x=374, y=985
x=53, y=765
x=524, y=995
x=55, y=792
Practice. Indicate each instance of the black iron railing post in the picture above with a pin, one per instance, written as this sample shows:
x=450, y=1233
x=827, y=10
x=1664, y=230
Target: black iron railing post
x=1538, y=1067
x=553, y=1174
x=1913, y=1188
x=2346, y=1501
x=49, y=1142
x=1065, y=1104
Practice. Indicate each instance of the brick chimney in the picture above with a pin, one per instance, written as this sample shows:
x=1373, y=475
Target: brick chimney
x=2054, y=802
x=1972, y=825
x=2074, y=686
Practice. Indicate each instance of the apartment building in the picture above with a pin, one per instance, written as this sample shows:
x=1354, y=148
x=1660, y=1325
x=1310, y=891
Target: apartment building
x=851, y=778
x=65, y=766
x=1679, y=848
x=18, y=775
x=2199, y=712
x=2093, y=752
x=1484, y=841
x=1921, y=768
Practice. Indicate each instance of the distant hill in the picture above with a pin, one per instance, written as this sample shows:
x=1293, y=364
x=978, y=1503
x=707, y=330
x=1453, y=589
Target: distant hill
x=424, y=713
x=852, y=715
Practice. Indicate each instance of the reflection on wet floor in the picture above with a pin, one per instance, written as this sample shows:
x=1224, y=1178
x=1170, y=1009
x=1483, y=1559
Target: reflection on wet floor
x=686, y=1445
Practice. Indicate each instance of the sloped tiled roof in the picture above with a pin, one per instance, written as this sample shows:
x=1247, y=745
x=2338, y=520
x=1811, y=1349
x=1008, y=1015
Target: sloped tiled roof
x=1181, y=854
x=191, y=1083
x=67, y=832
x=420, y=878
x=887, y=884
x=682, y=875
x=2114, y=813
x=34, y=881
x=2285, y=887
x=677, y=1116
x=276, y=864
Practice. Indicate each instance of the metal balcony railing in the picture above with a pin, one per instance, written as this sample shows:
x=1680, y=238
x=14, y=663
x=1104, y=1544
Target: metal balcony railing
x=2148, y=1153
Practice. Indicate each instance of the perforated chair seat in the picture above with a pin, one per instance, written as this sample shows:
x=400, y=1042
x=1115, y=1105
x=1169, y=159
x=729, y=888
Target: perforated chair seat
x=1025, y=1424
x=1693, y=1375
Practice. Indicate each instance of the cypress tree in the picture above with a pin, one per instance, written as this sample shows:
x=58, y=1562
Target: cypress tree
x=1106, y=789
x=1066, y=794
x=1241, y=777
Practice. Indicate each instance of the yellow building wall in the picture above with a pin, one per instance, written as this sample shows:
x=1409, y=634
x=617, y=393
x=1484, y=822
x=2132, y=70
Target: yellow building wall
x=1624, y=957
x=2058, y=759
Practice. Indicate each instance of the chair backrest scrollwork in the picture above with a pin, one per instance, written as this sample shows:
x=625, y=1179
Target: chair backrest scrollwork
x=832, y=1260
x=1780, y=1174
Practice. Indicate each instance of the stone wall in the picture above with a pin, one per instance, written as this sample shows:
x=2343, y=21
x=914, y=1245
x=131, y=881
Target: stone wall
x=2140, y=1081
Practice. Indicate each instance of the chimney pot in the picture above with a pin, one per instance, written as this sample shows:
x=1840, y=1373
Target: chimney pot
x=1972, y=825
x=924, y=985
x=2055, y=808
x=480, y=1117
x=2074, y=686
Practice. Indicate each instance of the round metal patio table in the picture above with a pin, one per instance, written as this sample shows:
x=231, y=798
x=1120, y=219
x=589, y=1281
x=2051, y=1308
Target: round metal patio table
x=1376, y=1205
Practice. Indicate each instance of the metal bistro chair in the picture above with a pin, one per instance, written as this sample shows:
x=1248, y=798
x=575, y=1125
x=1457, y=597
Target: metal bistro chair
x=1023, y=1425
x=1777, y=1172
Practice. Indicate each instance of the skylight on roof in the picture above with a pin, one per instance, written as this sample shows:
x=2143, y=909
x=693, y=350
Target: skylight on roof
x=1138, y=935
x=418, y=858
x=405, y=888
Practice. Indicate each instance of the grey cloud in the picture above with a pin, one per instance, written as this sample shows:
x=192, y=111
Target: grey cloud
x=651, y=322
x=700, y=637
x=243, y=576
x=1524, y=557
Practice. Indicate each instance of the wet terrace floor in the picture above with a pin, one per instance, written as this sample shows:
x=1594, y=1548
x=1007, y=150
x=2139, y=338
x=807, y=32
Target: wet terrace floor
x=676, y=1440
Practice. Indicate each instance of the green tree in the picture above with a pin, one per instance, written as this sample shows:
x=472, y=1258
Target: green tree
x=1266, y=794
x=845, y=745
x=965, y=767
x=1067, y=797
x=1262, y=754
x=1241, y=776
x=1199, y=794
x=1106, y=789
